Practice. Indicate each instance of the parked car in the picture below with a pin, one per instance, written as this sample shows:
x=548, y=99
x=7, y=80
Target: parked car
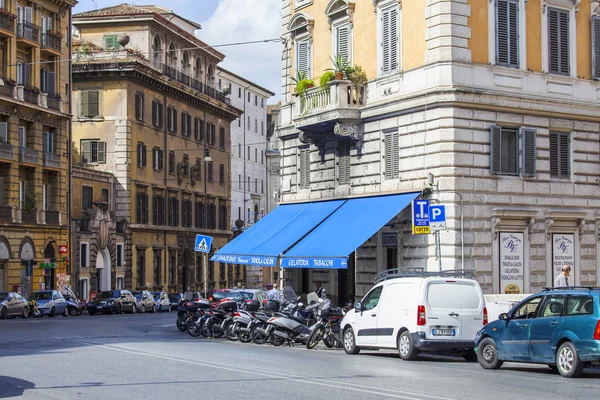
x=557, y=327
x=145, y=301
x=174, y=299
x=50, y=302
x=161, y=301
x=117, y=301
x=217, y=295
x=13, y=304
x=413, y=311
x=252, y=294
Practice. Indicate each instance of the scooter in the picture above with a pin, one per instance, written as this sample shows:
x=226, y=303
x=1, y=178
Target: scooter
x=74, y=306
x=327, y=328
x=293, y=327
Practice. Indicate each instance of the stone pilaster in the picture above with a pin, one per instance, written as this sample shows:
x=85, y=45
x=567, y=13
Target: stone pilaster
x=447, y=31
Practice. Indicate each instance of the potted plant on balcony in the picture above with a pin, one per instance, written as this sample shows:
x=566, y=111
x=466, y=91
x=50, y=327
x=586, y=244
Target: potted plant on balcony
x=327, y=77
x=226, y=91
x=359, y=79
x=302, y=82
x=7, y=13
x=340, y=65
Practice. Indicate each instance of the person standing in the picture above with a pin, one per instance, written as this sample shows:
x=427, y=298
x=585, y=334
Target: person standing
x=562, y=280
x=321, y=291
x=273, y=293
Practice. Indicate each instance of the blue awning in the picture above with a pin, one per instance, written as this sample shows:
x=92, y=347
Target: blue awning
x=279, y=230
x=330, y=243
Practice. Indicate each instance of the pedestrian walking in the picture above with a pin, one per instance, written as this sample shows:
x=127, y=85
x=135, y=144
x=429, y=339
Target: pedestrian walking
x=321, y=291
x=562, y=280
x=273, y=293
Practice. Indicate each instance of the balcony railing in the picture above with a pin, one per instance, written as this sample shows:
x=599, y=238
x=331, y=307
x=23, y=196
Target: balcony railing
x=169, y=71
x=29, y=217
x=7, y=89
x=340, y=94
x=84, y=225
x=51, y=160
x=6, y=21
x=50, y=41
x=6, y=214
x=52, y=217
x=315, y=100
x=7, y=151
x=28, y=155
x=193, y=83
x=30, y=96
x=54, y=102
x=27, y=30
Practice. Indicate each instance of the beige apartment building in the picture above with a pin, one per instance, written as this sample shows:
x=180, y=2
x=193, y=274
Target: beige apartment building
x=34, y=137
x=146, y=110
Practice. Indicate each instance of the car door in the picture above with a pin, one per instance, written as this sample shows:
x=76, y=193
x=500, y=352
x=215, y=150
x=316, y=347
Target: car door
x=366, y=319
x=514, y=341
x=546, y=329
x=443, y=310
x=10, y=304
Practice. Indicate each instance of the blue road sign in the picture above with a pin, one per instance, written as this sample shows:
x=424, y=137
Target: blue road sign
x=420, y=217
x=203, y=243
x=437, y=217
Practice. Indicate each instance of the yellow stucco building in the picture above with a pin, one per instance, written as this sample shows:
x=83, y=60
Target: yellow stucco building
x=146, y=110
x=34, y=137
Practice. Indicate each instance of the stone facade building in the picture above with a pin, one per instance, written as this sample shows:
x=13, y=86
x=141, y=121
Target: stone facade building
x=147, y=110
x=34, y=137
x=497, y=99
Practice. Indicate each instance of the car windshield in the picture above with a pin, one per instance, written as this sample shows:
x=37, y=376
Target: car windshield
x=3, y=296
x=42, y=296
x=138, y=296
x=174, y=297
x=220, y=295
x=247, y=295
x=108, y=295
x=156, y=296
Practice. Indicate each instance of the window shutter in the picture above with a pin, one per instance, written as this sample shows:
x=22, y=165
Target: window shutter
x=558, y=41
x=303, y=54
x=85, y=99
x=22, y=136
x=389, y=40
x=596, y=47
x=161, y=116
x=93, y=103
x=343, y=41
x=45, y=142
x=1, y=190
x=495, y=149
x=528, y=151
x=304, y=168
x=507, y=33
x=563, y=154
x=3, y=132
x=160, y=160
x=51, y=84
x=343, y=162
x=48, y=196
x=154, y=114
x=101, y=152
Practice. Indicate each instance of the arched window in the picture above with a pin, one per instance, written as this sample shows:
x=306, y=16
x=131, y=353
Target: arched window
x=198, y=70
x=209, y=76
x=172, y=56
x=301, y=27
x=157, y=52
x=185, y=63
x=255, y=213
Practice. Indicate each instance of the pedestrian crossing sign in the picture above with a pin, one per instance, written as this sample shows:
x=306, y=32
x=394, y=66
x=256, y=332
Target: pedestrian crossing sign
x=203, y=243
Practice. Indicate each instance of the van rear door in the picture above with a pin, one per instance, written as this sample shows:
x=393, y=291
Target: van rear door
x=442, y=311
x=471, y=304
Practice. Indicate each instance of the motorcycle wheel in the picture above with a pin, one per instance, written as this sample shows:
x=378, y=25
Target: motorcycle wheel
x=74, y=311
x=216, y=334
x=206, y=328
x=276, y=340
x=192, y=329
x=180, y=326
x=230, y=330
x=257, y=337
x=244, y=337
x=329, y=341
x=315, y=338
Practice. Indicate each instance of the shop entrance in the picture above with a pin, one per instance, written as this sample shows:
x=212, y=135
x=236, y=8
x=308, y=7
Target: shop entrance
x=49, y=273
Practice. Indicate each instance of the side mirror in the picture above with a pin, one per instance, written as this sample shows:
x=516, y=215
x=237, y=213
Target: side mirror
x=504, y=316
x=357, y=306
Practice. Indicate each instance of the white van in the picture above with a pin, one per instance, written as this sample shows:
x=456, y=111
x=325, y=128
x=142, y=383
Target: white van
x=412, y=310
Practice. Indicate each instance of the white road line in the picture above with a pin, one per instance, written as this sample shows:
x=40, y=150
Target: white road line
x=314, y=381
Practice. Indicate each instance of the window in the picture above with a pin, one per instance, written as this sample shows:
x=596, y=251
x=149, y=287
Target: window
x=239, y=93
x=173, y=216
x=211, y=134
x=596, y=47
x=528, y=309
x=90, y=103
x=221, y=174
x=212, y=217
x=559, y=155
x=248, y=97
x=104, y=195
x=343, y=153
x=139, y=107
x=262, y=157
x=255, y=154
x=158, y=210
x=171, y=162
x=248, y=155
x=392, y=155
x=262, y=186
x=262, y=128
x=372, y=299
x=580, y=305
x=504, y=151
x=109, y=42
x=342, y=41
x=186, y=213
x=248, y=127
x=222, y=272
x=87, y=197
x=4, y=132
x=507, y=33
x=389, y=38
x=222, y=138
x=239, y=122
x=200, y=215
x=248, y=183
x=141, y=267
x=142, y=208
x=172, y=120
x=240, y=182
x=558, y=41
x=255, y=185
x=84, y=256
x=211, y=271
x=255, y=125
x=553, y=307
x=48, y=142
x=209, y=171
x=157, y=264
x=199, y=129
x=48, y=81
x=255, y=100
x=186, y=124
x=157, y=114
x=304, y=169
x=119, y=255
x=262, y=103
x=141, y=154
x=223, y=217
x=186, y=170
x=239, y=150
x=93, y=152
x=157, y=159
x=303, y=57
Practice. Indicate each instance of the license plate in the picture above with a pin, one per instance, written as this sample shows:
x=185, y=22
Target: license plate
x=443, y=332
x=99, y=307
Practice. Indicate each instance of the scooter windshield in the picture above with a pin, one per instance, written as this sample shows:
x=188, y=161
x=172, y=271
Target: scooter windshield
x=289, y=294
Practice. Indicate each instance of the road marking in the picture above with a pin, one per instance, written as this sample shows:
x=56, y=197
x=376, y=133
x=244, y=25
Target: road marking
x=315, y=381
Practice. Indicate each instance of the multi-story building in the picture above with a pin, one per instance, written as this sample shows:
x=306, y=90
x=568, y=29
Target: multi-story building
x=146, y=110
x=249, y=194
x=497, y=99
x=34, y=143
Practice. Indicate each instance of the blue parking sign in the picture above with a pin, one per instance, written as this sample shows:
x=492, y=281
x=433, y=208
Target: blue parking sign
x=420, y=217
x=437, y=217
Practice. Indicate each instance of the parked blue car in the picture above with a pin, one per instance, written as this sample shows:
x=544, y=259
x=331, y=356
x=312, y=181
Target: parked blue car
x=558, y=327
x=50, y=302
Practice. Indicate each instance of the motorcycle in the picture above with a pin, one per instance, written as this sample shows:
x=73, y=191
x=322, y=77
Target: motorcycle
x=198, y=310
x=243, y=320
x=327, y=327
x=217, y=324
x=34, y=311
x=74, y=306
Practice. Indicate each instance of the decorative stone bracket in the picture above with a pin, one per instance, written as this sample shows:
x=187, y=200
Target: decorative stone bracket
x=350, y=130
x=317, y=139
x=549, y=223
x=598, y=230
x=530, y=223
x=580, y=226
x=495, y=223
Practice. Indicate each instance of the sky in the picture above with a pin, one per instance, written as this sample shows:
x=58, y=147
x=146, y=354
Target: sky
x=229, y=21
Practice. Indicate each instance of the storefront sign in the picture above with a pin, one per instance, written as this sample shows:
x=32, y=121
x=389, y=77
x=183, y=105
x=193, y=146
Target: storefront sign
x=511, y=263
x=563, y=245
x=390, y=239
x=63, y=249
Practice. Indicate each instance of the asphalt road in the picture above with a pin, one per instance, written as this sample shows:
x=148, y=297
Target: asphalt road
x=145, y=357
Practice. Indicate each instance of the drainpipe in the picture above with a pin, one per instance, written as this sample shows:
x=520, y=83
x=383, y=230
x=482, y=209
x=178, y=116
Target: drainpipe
x=69, y=153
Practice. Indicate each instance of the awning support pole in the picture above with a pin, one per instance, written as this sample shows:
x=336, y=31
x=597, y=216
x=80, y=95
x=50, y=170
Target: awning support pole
x=280, y=273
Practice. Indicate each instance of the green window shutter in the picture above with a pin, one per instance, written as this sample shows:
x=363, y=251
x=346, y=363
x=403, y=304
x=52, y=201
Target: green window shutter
x=596, y=47
x=85, y=111
x=528, y=147
x=495, y=150
x=101, y=152
x=110, y=42
x=93, y=103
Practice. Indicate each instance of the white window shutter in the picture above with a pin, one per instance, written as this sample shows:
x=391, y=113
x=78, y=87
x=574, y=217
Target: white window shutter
x=343, y=162
x=101, y=152
x=343, y=42
x=389, y=40
x=303, y=57
x=22, y=136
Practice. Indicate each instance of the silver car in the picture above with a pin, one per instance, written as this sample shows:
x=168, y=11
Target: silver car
x=145, y=301
x=13, y=304
x=161, y=301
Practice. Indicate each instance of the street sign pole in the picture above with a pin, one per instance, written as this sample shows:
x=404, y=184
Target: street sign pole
x=204, y=272
x=438, y=246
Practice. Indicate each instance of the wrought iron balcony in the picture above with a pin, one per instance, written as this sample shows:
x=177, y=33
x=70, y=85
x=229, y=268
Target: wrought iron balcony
x=51, y=160
x=193, y=83
x=7, y=151
x=169, y=71
x=51, y=41
x=28, y=155
x=53, y=217
x=30, y=96
x=6, y=214
x=54, y=102
x=7, y=22
x=29, y=217
x=7, y=89
x=29, y=31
